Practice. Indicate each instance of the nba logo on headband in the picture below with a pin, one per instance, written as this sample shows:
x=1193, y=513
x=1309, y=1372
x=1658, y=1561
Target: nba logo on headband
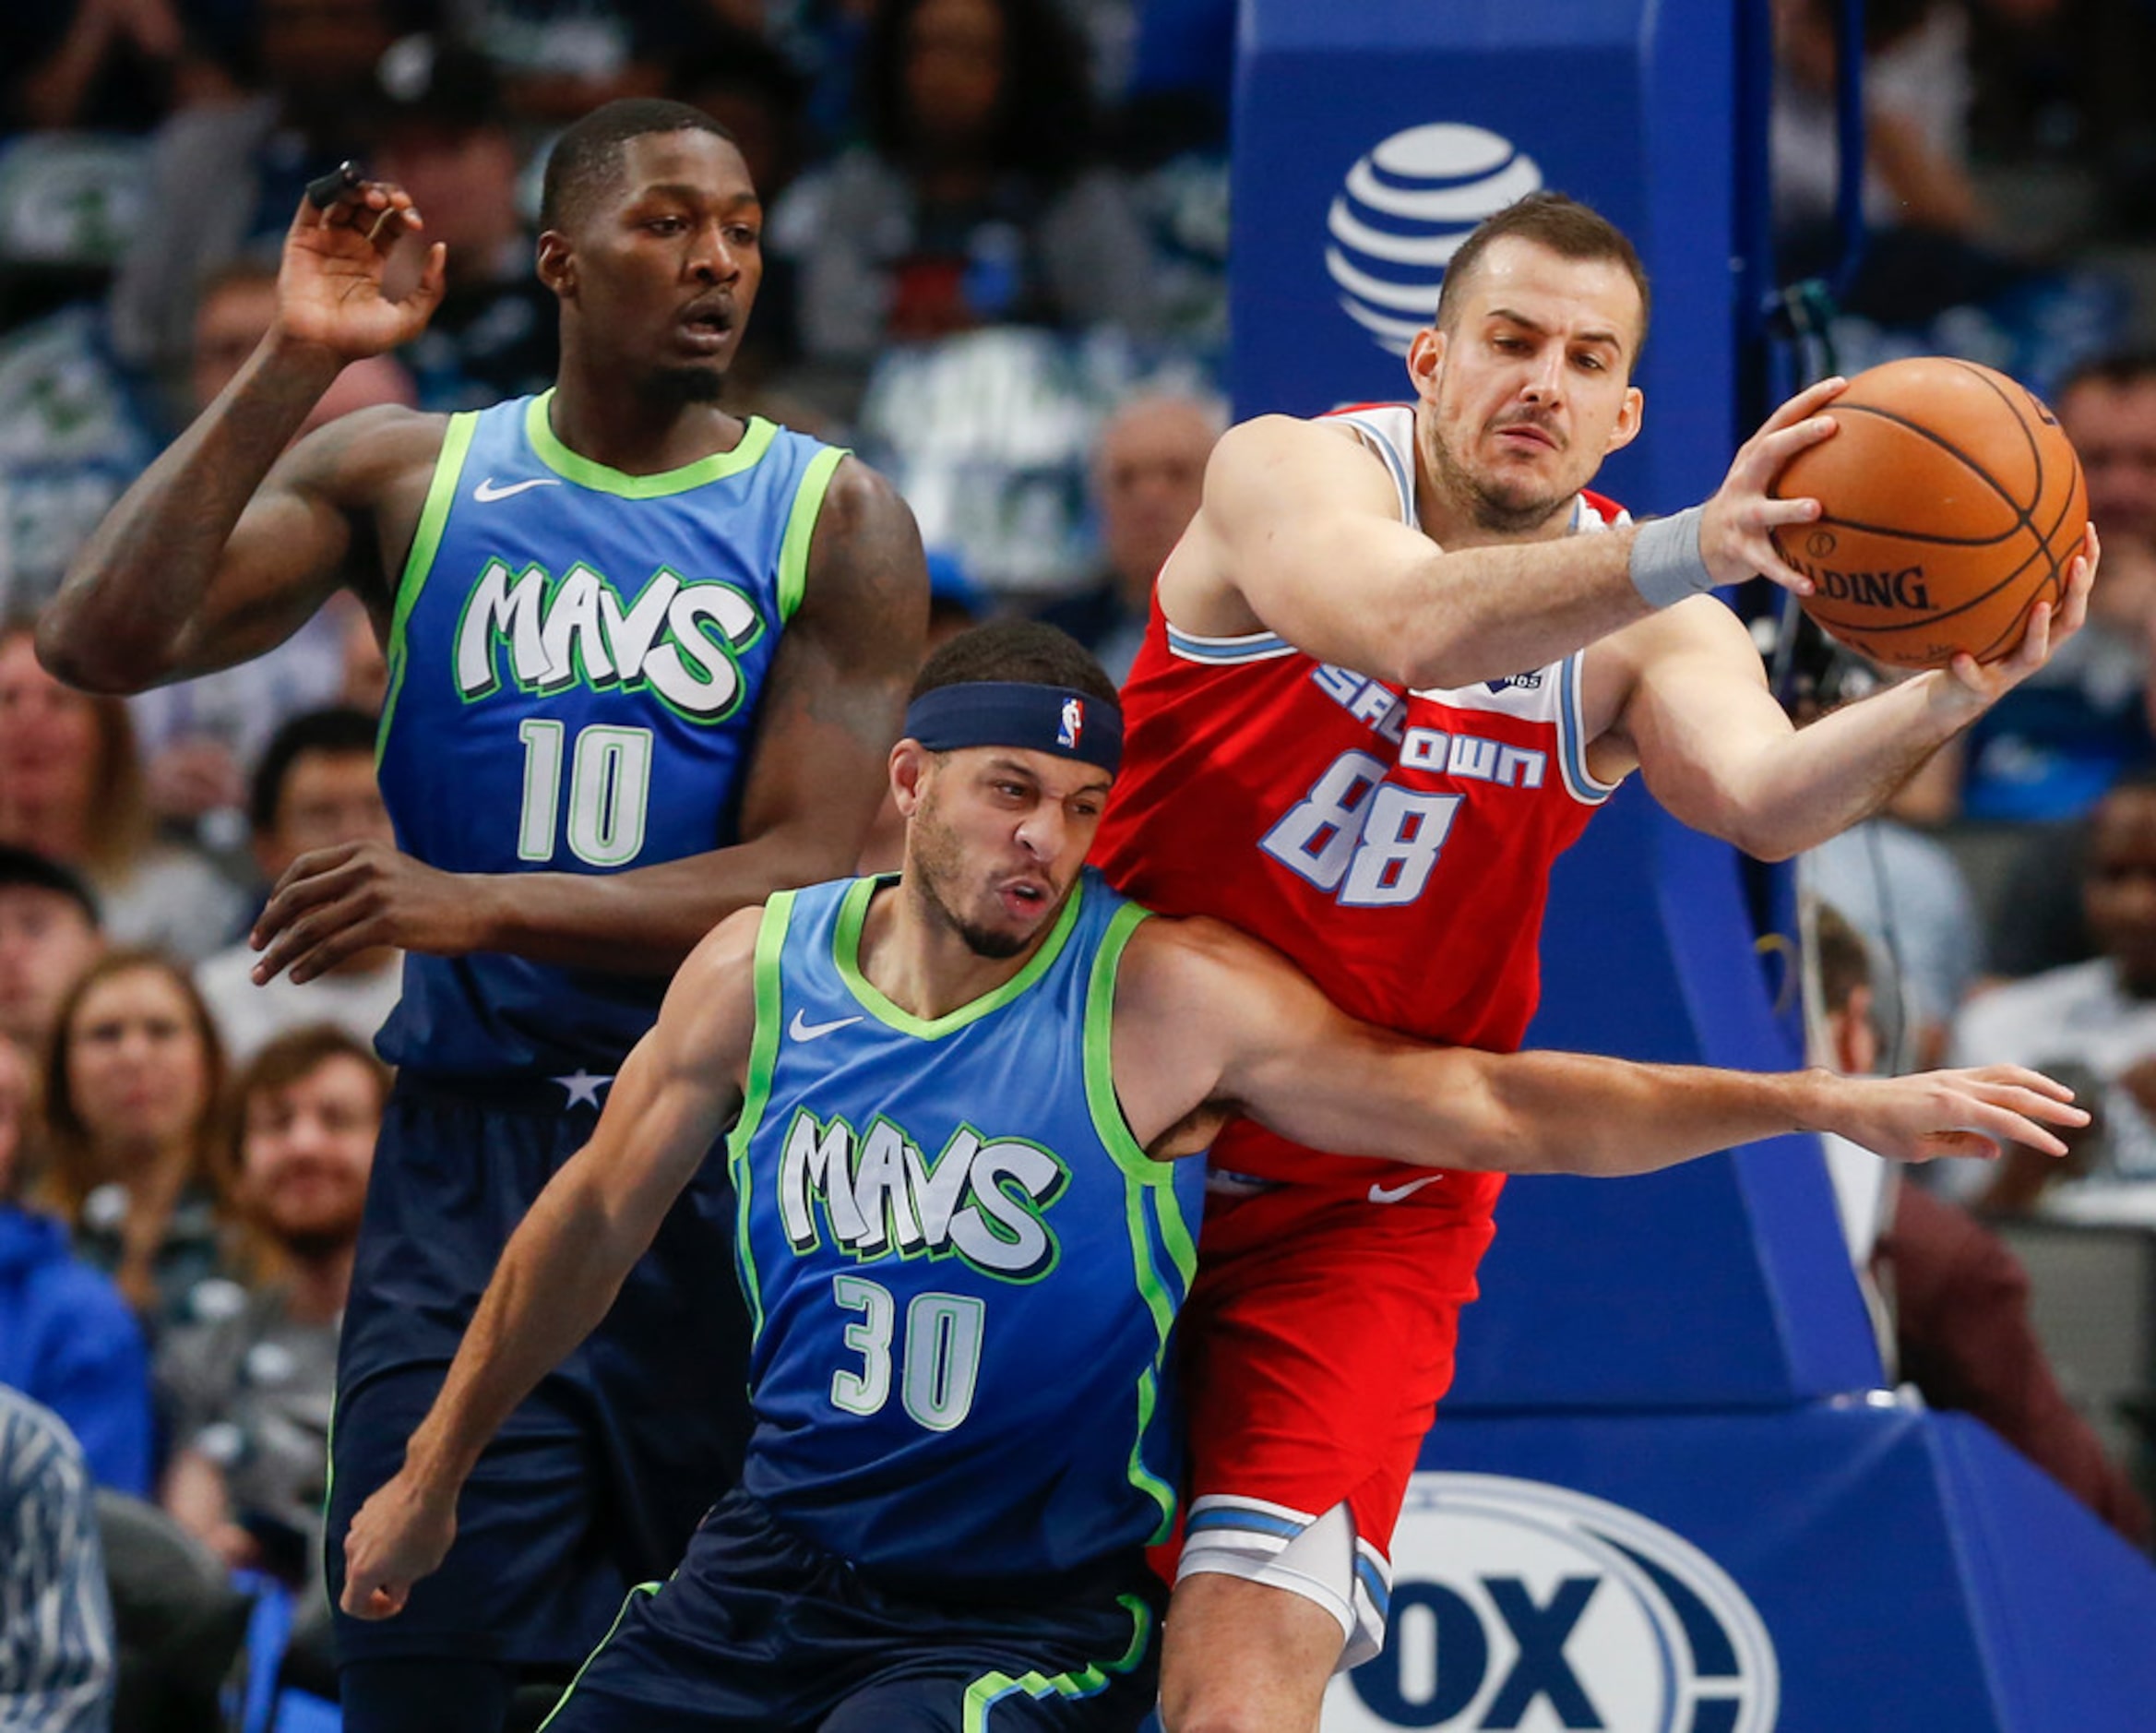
x=1073, y=723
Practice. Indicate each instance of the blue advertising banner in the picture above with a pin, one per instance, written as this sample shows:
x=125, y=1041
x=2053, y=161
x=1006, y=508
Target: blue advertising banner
x=1370, y=138
x=1848, y=1566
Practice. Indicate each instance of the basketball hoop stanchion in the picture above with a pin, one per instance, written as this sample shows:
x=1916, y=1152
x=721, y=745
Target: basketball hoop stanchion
x=1668, y=1490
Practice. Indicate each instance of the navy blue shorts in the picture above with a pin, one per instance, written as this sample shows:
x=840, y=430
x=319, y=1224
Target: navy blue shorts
x=598, y=1480
x=761, y=1632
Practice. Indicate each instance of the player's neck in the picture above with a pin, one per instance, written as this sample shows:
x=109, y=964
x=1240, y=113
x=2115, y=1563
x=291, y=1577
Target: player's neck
x=1455, y=524
x=917, y=959
x=639, y=433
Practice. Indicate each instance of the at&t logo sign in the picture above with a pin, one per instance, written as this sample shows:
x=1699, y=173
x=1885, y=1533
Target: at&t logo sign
x=1516, y=1604
x=1402, y=213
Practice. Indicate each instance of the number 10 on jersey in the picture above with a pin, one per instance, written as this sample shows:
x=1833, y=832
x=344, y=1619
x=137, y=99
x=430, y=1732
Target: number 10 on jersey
x=608, y=790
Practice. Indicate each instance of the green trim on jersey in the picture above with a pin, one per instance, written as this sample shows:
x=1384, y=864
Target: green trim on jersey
x=846, y=954
x=990, y=1689
x=756, y=441
x=1148, y=1199
x=426, y=541
x=808, y=505
x=763, y=1058
x=614, y=1629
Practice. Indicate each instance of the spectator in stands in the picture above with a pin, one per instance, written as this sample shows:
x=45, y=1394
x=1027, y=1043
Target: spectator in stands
x=975, y=201
x=314, y=788
x=66, y=1338
x=1149, y=476
x=72, y=788
x=2097, y=1017
x=226, y=177
x=441, y=133
x=1959, y=1296
x=2052, y=745
x=113, y=65
x=131, y=1086
x=250, y=1394
x=57, y=1649
x=49, y=934
x=199, y=737
x=2108, y=407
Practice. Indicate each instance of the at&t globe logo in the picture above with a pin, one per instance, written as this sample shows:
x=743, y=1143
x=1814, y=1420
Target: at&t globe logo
x=1516, y=1604
x=1404, y=210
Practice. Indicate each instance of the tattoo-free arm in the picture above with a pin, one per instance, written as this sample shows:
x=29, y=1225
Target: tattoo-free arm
x=567, y=1261
x=1722, y=756
x=1204, y=1015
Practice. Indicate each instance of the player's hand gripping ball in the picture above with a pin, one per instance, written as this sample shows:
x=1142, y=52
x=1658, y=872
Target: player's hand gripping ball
x=1951, y=504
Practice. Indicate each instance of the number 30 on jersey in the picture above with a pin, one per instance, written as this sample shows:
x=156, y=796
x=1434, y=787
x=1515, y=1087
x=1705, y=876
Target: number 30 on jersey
x=1368, y=842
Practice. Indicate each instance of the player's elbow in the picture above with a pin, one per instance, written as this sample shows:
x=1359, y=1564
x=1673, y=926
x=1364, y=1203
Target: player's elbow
x=92, y=660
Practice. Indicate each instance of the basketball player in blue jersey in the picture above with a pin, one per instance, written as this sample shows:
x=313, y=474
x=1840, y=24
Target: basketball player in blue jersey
x=963, y=1239
x=646, y=661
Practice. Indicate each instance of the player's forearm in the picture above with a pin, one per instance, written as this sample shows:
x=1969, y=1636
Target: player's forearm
x=1838, y=771
x=558, y=1275
x=140, y=579
x=1577, y=1114
x=647, y=921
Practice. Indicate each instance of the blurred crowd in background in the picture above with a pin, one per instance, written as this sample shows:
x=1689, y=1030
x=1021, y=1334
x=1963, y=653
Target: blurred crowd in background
x=997, y=238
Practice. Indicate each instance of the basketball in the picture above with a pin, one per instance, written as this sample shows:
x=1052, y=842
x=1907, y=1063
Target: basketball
x=1951, y=504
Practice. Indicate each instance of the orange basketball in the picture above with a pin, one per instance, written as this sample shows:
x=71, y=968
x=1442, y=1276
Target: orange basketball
x=1951, y=504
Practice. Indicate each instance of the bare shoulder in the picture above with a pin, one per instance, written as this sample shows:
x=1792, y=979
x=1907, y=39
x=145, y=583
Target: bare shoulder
x=865, y=539
x=1199, y=965
x=360, y=460
x=1256, y=460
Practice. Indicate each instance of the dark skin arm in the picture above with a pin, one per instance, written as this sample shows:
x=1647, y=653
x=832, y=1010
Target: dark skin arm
x=831, y=709
x=228, y=542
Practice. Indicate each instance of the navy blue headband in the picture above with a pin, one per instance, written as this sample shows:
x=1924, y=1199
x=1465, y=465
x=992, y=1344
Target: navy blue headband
x=1011, y=713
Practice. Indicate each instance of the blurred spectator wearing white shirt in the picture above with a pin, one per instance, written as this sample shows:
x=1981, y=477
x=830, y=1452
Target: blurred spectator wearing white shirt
x=314, y=789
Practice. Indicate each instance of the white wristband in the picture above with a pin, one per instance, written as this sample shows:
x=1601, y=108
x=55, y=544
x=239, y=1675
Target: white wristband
x=1666, y=566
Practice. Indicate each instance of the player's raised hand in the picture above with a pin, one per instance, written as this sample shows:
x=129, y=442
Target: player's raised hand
x=329, y=288
x=400, y=1534
x=2048, y=628
x=1953, y=1113
x=334, y=903
x=1733, y=530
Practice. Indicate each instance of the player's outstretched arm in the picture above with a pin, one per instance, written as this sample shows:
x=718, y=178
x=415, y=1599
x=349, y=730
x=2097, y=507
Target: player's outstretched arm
x=1301, y=524
x=1720, y=754
x=566, y=1261
x=223, y=546
x=829, y=713
x=1208, y=1021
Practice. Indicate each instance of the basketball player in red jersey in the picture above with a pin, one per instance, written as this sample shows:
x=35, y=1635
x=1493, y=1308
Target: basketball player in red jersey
x=1361, y=726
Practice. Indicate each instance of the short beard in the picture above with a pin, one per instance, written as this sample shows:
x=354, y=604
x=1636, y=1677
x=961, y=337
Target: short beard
x=690, y=385
x=1498, y=517
x=320, y=1244
x=932, y=853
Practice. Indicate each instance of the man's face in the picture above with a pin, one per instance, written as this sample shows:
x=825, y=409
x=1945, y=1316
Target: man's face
x=305, y=1151
x=1525, y=392
x=15, y=1102
x=953, y=70
x=328, y=797
x=234, y=317
x=2114, y=429
x=48, y=733
x=2119, y=891
x=662, y=270
x=996, y=837
x=46, y=941
x=1150, y=473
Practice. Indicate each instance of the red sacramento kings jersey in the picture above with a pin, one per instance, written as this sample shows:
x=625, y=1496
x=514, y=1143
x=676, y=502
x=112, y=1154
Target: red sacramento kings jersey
x=1396, y=844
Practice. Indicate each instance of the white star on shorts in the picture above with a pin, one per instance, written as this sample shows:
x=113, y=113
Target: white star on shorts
x=583, y=1087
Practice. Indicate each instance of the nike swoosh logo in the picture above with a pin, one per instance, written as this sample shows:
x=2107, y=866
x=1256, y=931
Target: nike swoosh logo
x=1393, y=1194
x=800, y=1029
x=486, y=493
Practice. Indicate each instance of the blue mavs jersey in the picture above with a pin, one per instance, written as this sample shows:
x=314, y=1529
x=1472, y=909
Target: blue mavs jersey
x=575, y=663
x=961, y=1267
